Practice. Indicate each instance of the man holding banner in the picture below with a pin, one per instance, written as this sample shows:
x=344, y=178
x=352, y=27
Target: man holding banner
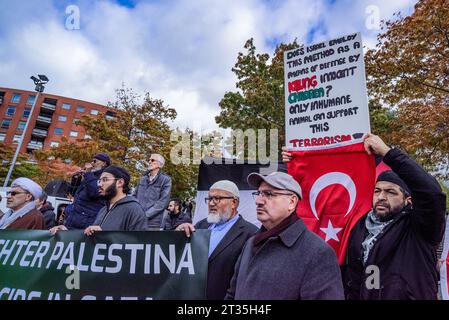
x=229, y=232
x=122, y=212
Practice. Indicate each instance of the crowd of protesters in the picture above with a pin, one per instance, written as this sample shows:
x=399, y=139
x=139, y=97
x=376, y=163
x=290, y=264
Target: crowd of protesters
x=280, y=260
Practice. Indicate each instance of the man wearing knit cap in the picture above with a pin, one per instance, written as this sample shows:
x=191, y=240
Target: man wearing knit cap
x=87, y=200
x=284, y=260
x=122, y=212
x=399, y=236
x=22, y=213
x=229, y=232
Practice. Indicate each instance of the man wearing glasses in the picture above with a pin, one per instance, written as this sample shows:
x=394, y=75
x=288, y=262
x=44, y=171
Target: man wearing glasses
x=87, y=200
x=229, y=232
x=22, y=213
x=122, y=212
x=284, y=260
x=153, y=192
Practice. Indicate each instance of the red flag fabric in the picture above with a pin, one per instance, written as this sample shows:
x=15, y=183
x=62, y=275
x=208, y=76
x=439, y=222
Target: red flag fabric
x=381, y=167
x=337, y=186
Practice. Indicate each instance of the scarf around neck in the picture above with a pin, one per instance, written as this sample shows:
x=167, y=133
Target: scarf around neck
x=375, y=228
x=263, y=235
x=10, y=216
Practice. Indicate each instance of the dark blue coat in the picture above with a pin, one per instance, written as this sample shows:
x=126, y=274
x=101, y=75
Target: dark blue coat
x=405, y=252
x=87, y=203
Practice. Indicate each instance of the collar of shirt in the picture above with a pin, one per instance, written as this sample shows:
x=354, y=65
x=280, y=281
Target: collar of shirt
x=218, y=232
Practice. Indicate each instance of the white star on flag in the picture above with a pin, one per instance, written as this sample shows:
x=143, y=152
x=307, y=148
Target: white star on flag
x=331, y=232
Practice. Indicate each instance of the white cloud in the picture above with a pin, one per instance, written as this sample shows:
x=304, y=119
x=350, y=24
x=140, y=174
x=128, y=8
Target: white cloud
x=180, y=51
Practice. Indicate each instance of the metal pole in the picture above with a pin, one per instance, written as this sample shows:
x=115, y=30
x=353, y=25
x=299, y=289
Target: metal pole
x=19, y=146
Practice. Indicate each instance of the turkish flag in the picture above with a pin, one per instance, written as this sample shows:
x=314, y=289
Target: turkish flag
x=337, y=187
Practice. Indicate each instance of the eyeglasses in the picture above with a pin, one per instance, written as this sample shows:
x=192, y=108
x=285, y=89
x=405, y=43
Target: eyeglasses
x=105, y=179
x=216, y=199
x=267, y=194
x=13, y=193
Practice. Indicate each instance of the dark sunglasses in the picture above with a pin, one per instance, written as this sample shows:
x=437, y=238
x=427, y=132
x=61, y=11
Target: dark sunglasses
x=14, y=193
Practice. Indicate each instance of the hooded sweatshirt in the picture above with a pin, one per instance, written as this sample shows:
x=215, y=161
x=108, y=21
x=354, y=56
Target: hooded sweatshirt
x=124, y=215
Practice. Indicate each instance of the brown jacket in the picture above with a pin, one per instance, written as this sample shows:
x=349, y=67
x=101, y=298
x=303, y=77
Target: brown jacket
x=33, y=220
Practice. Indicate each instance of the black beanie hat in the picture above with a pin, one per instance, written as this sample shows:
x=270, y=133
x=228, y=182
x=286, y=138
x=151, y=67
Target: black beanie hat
x=119, y=173
x=103, y=157
x=392, y=177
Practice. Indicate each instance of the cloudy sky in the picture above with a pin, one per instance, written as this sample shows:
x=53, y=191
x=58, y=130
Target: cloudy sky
x=179, y=51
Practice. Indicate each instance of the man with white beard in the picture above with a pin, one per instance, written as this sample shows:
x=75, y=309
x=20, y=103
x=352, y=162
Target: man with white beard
x=229, y=232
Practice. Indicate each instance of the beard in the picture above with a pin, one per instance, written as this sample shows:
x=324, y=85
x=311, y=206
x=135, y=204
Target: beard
x=218, y=218
x=389, y=213
x=110, y=191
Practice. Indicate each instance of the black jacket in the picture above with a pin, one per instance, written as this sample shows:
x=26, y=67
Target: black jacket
x=405, y=252
x=49, y=214
x=171, y=222
x=223, y=259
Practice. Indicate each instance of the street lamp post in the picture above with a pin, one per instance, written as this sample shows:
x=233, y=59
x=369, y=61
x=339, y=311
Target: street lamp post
x=39, y=82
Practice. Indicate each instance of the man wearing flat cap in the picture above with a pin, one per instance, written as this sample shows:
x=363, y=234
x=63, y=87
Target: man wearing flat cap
x=87, y=200
x=229, y=232
x=122, y=212
x=22, y=213
x=399, y=236
x=284, y=260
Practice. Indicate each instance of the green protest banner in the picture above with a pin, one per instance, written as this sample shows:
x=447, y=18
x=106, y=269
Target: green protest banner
x=108, y=265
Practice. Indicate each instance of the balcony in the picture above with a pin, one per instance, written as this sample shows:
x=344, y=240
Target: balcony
x=39, y=133
x=35, y=145
x=48, y=107
x=43, y=120
x=110, y=115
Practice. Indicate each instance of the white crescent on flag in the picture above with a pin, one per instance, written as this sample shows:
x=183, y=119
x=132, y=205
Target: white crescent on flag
x=330, y=179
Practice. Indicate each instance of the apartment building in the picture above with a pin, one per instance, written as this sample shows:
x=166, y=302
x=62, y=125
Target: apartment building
x=53, y=117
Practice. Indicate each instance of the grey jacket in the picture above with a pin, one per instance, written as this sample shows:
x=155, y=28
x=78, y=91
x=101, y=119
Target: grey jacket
x=154, y=197
x=297, y=264
x=125, y=215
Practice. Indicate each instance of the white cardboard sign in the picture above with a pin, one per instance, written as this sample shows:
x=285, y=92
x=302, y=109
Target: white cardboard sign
x=325, y=94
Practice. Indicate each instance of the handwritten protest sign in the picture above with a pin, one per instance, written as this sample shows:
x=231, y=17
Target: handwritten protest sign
x=325, y=94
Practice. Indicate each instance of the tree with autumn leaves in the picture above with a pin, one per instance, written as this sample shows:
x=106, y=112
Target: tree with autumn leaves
x=23, y=167
x=259, y=103
x=139, y=128
x=407, y=80
x=408, y=72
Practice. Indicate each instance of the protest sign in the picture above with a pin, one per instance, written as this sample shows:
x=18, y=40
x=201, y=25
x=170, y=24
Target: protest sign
x=325, y=94
x=106, y=266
